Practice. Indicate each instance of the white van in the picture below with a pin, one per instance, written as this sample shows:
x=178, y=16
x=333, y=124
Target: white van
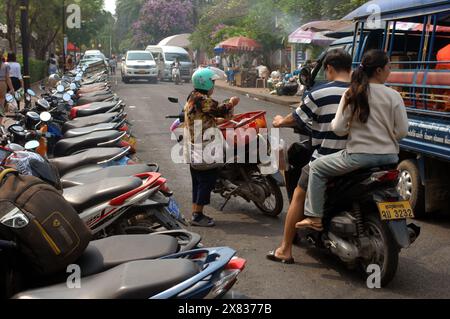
x=166, y=55
x=139, y=65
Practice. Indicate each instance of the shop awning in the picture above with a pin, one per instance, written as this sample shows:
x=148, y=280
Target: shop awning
x=309, y=37
x=178, y=40
x=240, y=44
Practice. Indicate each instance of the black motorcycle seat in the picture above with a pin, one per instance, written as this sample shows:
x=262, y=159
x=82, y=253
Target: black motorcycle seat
x=69, y=146
x=98, y=98
x=113, y=171
x=91, y=156
x=89, y=121
x=86, y=196
x=94, y=110
x=95, y=93
x=364, y=173
x=97, y=105
x=90, y=129
x=134, y=280
x=107, y=253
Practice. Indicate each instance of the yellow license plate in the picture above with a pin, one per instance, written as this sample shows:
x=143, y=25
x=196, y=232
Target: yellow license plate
x=395, y=210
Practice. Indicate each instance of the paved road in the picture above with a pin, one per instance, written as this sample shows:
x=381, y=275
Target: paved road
x=424, y=269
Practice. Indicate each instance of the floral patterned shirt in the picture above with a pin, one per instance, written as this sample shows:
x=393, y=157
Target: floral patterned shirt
x=201, y=107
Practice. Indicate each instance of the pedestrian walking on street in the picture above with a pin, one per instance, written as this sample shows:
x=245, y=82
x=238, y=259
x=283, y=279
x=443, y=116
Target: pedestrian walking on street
x=113, y=64
x=5, y=83
x=15, y=72
x=52, y=64
x=69, y=63
x=201, y=107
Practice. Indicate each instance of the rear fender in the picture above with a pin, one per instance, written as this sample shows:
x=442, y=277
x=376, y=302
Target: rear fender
x=400, y=231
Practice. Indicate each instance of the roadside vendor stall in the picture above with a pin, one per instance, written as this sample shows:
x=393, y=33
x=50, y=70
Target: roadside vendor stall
x=240, y=49
x=312, y=33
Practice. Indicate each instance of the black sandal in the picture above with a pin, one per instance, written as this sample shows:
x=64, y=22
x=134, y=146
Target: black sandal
x=271, y=256
x=201, y=220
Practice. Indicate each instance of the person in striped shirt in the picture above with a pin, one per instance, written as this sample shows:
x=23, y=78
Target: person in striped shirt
x=317, y=111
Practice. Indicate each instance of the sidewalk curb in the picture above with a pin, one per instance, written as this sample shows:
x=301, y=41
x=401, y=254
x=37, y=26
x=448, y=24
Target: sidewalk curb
x=263, y=97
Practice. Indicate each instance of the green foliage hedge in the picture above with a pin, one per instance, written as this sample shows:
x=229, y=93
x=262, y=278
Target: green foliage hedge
x=38, y=69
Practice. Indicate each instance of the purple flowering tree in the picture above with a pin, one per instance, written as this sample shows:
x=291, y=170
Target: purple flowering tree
x=162, y=18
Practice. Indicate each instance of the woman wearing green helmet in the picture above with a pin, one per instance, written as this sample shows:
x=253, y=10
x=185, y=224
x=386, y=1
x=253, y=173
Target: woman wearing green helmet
x=201, y=107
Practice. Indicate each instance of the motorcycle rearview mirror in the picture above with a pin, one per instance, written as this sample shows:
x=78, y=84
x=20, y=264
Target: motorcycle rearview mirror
x=45, y=116
x=44, y=103
x=31, y=92
x=305, y=76
x=73, y=86
x=66, y=97
x=173, y=99
x=15, y=147
x=9, y=98
x=71, y=102
x=71, y=93
x=18, y=96
x=60, y=88
x=32, y=145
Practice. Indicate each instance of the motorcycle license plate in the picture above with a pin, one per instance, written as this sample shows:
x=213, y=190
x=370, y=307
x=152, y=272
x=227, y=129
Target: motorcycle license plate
x=395, y=210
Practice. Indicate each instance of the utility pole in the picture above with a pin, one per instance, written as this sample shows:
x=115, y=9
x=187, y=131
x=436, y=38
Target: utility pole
x=25, y=42
x=64, y=34
x=195, y=15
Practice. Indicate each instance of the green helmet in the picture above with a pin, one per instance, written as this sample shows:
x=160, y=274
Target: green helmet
x=203, y=79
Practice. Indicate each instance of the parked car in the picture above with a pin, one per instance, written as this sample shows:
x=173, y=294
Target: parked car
x=139, y=65
x=166, y=55
x=92, y=56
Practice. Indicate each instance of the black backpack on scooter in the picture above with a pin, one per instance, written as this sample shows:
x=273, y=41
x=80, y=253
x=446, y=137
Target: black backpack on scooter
x=46, y=230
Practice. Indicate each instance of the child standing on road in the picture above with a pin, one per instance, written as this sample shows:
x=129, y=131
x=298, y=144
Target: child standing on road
x=201, y=107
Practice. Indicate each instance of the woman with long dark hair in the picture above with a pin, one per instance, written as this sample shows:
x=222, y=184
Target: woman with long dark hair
x=374, y=118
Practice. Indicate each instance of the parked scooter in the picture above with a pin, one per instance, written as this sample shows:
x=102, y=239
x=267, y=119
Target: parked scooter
x=255, y=182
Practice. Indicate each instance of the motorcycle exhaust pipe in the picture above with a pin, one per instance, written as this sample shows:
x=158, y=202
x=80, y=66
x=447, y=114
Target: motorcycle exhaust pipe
x=343, y=249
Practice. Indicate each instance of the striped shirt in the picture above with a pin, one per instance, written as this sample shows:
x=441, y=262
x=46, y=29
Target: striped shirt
x=317, y=111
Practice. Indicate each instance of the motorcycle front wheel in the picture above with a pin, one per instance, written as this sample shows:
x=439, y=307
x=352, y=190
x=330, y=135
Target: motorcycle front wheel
x=272, y=205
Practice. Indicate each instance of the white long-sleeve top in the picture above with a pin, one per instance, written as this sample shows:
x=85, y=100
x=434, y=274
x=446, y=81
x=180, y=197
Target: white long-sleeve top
x=386, y=126
x=15, y=70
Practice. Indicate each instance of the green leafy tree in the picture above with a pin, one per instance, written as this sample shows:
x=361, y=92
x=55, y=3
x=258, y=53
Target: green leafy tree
x=11, y=7
x=127, y=13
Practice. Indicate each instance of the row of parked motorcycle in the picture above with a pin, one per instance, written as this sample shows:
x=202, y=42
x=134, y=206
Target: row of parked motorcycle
x=75, y=136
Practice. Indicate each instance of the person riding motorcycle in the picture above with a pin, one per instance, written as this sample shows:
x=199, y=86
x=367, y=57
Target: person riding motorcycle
x=202, y=109
x=176, y=67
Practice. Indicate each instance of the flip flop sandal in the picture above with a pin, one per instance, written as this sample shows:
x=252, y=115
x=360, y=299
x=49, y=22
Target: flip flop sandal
x=203, y=221
x=271, y=256
x=316, y=227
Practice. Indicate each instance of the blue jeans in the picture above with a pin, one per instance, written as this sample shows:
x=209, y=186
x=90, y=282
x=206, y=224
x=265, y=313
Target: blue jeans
x=334, y=165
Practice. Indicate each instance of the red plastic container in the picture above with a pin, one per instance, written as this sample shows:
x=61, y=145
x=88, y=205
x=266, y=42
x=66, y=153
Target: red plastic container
x=243, y=125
